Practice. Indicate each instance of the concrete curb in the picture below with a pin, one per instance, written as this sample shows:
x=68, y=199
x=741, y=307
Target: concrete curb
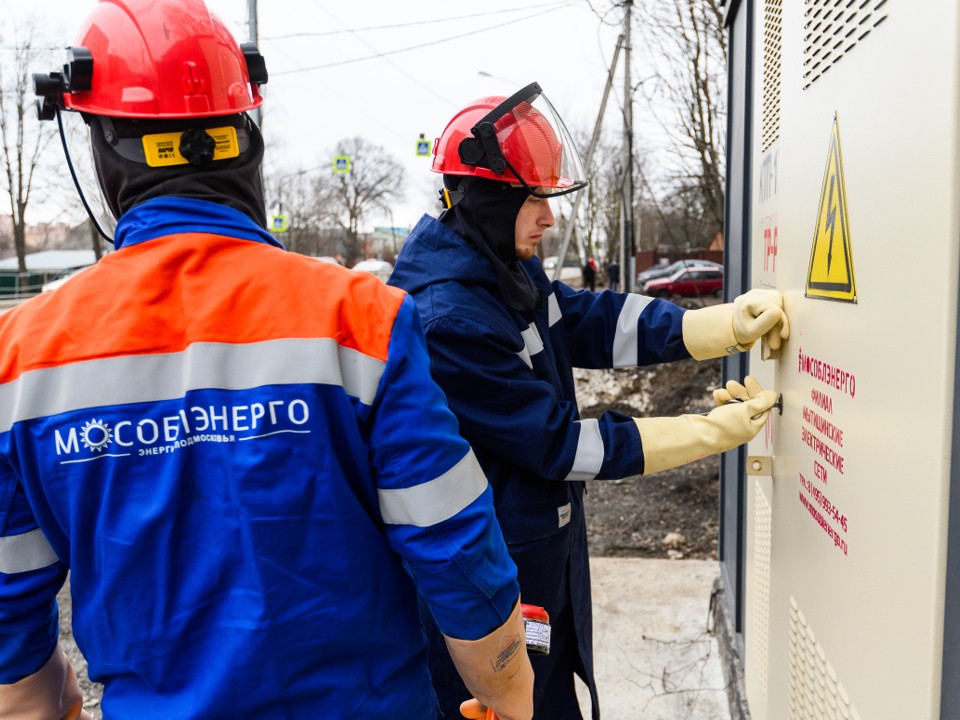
x=731, y=655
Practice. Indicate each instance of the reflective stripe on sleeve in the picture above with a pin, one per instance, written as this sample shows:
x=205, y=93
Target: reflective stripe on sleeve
x=436, y=500
x=22, y=553
x=525, y=356
x=151, y=378
x=532, y=340
x=625, y=353
x=553, y=310
x=532, y=344
x=589, y=457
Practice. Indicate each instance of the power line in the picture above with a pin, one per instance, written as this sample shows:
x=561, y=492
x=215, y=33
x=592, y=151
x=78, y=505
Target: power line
x=392, y=64
x=603, y=17
x=412, y=24
x=422, y=45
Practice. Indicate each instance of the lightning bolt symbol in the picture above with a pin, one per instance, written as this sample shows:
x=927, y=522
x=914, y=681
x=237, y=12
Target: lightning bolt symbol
x=831, y=223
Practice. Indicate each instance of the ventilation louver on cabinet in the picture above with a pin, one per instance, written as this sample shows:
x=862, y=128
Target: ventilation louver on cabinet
x=772, y=43
x=832, y=28
x=762, y=541
x=815, y=692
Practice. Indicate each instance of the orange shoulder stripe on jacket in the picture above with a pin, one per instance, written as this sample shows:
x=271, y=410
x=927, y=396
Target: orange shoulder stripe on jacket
x=162, y=295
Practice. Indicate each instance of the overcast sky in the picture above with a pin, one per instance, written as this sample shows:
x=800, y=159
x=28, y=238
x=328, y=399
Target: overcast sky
x=388, y=70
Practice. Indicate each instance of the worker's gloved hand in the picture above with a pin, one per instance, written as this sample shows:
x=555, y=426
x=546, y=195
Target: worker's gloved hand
x=496, y=669
x=473, y=709
x=675, y=441
x=734, y=327
x=51, y=693
x=759, y=313
x=735, y=392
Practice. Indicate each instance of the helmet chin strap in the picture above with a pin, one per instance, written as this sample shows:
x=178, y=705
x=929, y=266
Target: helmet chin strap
x=449, y=198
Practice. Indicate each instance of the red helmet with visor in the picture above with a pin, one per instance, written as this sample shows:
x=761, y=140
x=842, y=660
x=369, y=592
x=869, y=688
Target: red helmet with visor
x=519, y=140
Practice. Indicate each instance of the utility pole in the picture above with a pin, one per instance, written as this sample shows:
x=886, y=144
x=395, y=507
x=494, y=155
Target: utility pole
x=253, y=34
x=630, y=267
x=568, y=231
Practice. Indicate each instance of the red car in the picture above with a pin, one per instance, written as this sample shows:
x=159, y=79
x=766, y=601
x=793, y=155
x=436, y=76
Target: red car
x=688, y=282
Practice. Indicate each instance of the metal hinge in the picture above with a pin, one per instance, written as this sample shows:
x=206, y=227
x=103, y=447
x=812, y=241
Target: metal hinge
x=760, y=465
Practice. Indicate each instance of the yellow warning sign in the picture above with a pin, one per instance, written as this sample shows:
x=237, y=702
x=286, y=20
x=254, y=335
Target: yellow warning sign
x=830, y=275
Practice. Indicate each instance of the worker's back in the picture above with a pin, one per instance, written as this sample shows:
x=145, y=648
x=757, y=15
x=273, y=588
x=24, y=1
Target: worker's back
x=196, y=425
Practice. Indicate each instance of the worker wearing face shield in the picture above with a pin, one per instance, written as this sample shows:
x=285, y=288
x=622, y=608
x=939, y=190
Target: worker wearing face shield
x=237, y=452
x=503, y=342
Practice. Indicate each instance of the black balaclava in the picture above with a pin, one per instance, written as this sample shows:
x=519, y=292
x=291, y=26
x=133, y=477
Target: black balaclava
x=486, y=217
x=235, y=182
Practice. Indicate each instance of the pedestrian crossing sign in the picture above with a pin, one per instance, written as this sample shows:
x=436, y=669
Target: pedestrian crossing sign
x=341, y=164
x=830, y=274
x=423, y=147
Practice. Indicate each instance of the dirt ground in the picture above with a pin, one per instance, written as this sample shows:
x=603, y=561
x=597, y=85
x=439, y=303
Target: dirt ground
x=672, y=514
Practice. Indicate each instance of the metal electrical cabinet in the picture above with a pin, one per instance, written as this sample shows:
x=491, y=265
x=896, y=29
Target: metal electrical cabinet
x=840, y=544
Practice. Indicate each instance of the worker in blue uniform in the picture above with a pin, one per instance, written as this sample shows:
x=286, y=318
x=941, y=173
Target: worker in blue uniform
x=237, y=452
x=503, y=340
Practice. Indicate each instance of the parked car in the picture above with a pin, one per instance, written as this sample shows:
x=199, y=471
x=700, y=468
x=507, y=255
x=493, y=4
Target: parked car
x=697, y=281
x=659, y=271
x=380, y=268
x=569, y=273
x=61, y=278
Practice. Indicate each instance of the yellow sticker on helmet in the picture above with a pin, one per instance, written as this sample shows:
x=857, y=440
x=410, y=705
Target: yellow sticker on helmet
x=163, y=149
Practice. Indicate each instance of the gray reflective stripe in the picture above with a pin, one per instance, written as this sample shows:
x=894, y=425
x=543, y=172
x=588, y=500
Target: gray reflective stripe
x=532, y=340
x=532, y=344
x=625, y=340
x=144, y=378
x=22, y=553
x=553, y=310
x=437, y=500
x=589, y=456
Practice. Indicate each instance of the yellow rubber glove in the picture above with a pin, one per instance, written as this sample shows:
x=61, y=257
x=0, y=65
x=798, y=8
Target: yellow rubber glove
x=720, y=330
x=735, y=392
x=671, y=442
x=496, y=669
x=51, y=693
x=759, y=314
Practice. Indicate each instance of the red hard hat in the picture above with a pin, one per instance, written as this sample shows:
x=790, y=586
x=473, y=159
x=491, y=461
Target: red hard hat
x=518, y=140
x=161, y=59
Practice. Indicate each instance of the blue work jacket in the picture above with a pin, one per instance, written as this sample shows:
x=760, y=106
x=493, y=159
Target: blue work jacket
x=508, y=377
x=239, y=454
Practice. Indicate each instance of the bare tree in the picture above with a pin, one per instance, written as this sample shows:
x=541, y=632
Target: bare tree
x=687, y=39
x=599, y=224
x=21, y=134
x=294, y=196
x=374, y=180
x=96, y=239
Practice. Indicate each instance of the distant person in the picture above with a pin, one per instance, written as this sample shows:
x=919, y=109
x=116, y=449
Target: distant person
x=589, y=275
x=237, y=452
x=613, y=275
x=503, y=343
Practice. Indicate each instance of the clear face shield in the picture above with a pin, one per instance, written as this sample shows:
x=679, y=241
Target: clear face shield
x=171, y=144
x=524, y=140
x=78, y=149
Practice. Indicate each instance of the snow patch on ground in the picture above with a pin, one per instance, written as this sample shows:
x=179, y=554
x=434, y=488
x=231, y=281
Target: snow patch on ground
x=612, y=388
